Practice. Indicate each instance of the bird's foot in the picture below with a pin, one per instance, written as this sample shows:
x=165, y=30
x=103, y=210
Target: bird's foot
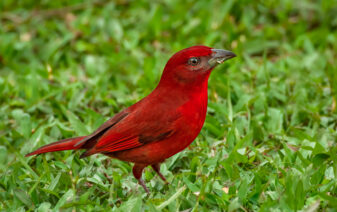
x=162, y=177
x=156, y=168
x=137, y=171
x=141, y=182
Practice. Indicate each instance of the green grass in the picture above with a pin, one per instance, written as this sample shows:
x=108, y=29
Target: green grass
x=269, y=141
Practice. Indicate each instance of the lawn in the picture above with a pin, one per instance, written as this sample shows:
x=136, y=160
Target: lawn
x=269, y=140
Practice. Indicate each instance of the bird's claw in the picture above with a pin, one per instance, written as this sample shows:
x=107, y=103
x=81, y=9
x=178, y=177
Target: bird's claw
x=141, y=182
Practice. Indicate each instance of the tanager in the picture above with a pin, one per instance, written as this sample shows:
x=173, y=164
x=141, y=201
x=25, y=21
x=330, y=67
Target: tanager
x=160, y=125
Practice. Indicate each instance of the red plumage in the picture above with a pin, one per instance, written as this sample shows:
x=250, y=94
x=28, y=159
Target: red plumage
x=160, y=125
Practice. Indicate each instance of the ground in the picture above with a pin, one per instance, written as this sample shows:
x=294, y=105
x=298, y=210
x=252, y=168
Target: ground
x=269, y=140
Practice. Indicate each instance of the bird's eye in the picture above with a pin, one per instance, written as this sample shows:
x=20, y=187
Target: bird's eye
x=193, y=61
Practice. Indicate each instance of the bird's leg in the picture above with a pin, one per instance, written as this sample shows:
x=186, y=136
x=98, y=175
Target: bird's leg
x=156, y=168
x=137, y=171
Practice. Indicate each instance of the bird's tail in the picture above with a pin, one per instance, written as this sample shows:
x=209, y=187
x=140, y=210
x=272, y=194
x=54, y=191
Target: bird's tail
x=66, y=144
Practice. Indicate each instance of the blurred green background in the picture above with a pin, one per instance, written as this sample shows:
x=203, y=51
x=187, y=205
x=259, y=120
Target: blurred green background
x=269, y=141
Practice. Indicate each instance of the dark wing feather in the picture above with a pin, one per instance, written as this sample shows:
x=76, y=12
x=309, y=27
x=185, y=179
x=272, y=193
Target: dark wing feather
x=144, y=139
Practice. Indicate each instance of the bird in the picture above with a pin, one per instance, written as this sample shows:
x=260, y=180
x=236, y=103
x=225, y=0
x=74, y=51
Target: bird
x=161, y=124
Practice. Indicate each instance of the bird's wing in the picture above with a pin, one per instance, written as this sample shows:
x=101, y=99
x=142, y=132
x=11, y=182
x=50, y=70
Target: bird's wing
x=137, y=128
x=112, y=142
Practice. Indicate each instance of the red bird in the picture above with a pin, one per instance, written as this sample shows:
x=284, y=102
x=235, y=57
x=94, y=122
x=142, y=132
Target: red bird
x=160, y=125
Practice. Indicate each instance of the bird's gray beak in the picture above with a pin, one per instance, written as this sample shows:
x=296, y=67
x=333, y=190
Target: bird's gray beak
x=219, y=56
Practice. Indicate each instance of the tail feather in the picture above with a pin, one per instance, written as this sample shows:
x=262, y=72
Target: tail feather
x=66, y=144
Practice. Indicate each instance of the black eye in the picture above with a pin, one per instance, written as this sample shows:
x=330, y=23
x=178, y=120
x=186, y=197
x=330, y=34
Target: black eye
x=193, y=61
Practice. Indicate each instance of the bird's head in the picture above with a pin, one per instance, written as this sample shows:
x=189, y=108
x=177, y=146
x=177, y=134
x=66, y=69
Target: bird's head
x=194, y=64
